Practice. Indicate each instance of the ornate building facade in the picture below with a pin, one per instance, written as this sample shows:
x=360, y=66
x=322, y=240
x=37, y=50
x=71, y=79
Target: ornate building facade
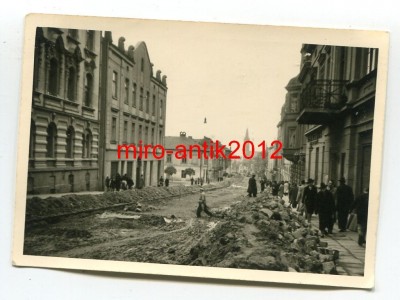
x=64, y=134
x=334, y=114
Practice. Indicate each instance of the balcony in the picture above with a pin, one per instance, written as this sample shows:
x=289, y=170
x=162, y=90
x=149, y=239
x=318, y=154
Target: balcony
x=321, y=101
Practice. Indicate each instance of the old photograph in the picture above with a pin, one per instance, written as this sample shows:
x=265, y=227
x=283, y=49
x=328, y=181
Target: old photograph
x=204, y=150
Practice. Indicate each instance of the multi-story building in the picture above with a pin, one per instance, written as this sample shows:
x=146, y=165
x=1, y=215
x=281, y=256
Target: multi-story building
x=336, y=112
x=132, y=109
x=63, y=149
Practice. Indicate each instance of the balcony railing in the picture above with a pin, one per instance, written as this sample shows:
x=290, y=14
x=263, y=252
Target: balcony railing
x=321, y=101
x=323, y=93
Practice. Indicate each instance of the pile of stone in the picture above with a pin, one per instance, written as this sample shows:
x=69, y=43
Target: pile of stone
x=262, y=233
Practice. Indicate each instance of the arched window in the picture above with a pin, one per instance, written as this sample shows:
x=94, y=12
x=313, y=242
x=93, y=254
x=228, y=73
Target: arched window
x=88, y=90
x=71, y=84
x=70, y=142
x=32, y=139
x=51, y=140
x=161, y=109
x=87, y=140
x=53, y=77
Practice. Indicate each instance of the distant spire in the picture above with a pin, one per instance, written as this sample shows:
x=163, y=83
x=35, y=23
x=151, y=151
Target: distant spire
x=246, y=137
x=205, y=120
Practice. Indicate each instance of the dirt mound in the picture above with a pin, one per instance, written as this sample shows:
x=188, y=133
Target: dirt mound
x=263, y=234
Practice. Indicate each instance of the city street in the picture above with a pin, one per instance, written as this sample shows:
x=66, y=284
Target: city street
x=168, y=231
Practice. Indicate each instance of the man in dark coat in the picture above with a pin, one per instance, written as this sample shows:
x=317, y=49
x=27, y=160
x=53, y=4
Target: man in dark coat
x=309, y=199
x=326, y=209
x=293, y=195
x=166, y=182
x=252, y=188
x=344, y=198
x=360, y=207
x=118, y=180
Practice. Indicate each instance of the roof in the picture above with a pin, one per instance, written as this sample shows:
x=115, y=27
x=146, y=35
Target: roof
x=172, y=141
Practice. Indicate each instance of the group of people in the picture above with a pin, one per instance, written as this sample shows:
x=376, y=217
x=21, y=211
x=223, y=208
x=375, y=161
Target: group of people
x=162, y=182
x=331, y=203
x=119, y=182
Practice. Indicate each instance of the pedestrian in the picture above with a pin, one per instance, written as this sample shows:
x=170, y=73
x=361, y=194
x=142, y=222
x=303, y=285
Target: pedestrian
x=118, y=180
x=191, y=181
x=281, y=190
x=161, y=181
x=112, y=184
x=309, y=199
x=166, y=182
x=360, y=207
x=325, y=208
x=331, y=187
x=252, y=188
x=293, y=191
x=275, y=188
x=345, y=198
x=286, y=188
x=107, y=183
x=262, y=183
x=130, y=183
x=299, y=198
x=202, y=204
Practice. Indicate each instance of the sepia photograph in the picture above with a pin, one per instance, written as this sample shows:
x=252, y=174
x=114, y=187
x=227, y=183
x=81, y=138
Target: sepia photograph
x=205, y=150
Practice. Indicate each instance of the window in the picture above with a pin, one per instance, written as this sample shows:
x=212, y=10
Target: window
x=70, y=142
x=126, y=96
x=133, y=133
x=316, y=165
x=169, y=158
x=125, y=131
x=88, y=90
x=140, y=133
x=152, y=136
x=160, y=141
x=134, y=95
x=146, y=135
x=161, y=109
x=53, y=77
x=114, y=84
x=142, y=65
x=147, y=102
x=51, y=140
x=153, y=106
x=184, y=160
x=90, y=39
x=114, y=130
x=87, y=140
x=141, y=99
x=71, y=84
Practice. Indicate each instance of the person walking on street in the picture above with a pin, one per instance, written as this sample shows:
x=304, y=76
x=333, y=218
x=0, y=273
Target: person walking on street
x=107, y=183
x=332, y=188
x=293, y=191
x=325, y=207
x=202, y=205
x=360, y=207
x=166, y=182
x=299, y=198
x=281, y=190
x=309, y=199
x=345, y=198
x=161, y=181
x=286, y=188
x=191, y=181
x=252, y=188
x=118, y=180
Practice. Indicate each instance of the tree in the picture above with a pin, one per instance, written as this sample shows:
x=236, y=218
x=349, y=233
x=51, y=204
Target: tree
x=189, y=171
x=170, y=170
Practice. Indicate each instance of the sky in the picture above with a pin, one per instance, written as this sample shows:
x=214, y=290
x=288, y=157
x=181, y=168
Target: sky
x=232, y=75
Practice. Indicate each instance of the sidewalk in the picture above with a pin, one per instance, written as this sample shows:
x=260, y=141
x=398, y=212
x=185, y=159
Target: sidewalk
x=351, y=255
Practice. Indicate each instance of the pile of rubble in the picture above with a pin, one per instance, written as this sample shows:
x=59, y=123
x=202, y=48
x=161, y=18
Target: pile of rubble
x=131, y=200
x=262, y=233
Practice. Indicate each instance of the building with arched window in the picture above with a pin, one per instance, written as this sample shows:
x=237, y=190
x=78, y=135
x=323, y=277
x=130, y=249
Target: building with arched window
x=64, y=132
